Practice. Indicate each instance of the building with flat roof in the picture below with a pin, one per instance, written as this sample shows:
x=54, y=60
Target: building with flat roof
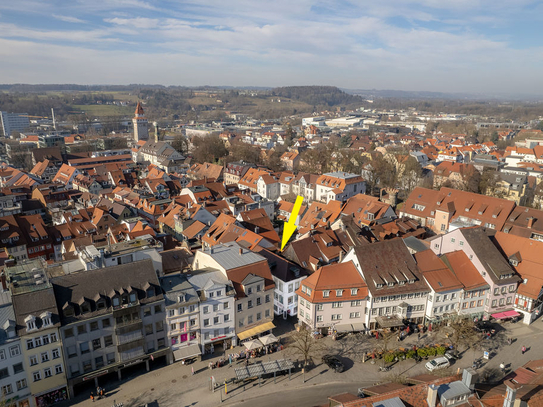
x=13, y=122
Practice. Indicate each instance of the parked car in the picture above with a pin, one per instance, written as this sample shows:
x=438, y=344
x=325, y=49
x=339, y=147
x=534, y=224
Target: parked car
x=333, y=363
x=452, y=355
x=438, y=363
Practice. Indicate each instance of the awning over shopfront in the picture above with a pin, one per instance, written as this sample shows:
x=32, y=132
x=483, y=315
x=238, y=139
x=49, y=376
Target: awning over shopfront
x=505, y=314
x=356, y=327
x=256, y=330
x=389, y=322
x=187, y=352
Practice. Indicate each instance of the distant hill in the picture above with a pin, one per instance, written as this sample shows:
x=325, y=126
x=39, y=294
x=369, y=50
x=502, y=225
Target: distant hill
x=317, y=95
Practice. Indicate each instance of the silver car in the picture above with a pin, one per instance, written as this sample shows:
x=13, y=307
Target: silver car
x=437, y=363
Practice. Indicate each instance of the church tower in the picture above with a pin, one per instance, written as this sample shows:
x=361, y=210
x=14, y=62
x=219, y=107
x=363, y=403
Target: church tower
x=141, y=132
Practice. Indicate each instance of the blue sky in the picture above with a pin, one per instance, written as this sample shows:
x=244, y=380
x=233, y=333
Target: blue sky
x=475, y=46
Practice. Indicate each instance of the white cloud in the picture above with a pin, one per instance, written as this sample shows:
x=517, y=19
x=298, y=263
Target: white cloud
x=68, y=19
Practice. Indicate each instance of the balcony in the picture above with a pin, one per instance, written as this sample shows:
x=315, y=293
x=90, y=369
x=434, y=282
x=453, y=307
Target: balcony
x=129, y=337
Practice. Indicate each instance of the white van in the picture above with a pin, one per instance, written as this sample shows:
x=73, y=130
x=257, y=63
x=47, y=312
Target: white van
x=438, y=363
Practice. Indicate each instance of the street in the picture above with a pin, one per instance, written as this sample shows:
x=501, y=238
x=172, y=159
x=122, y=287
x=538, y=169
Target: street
x=174, y=385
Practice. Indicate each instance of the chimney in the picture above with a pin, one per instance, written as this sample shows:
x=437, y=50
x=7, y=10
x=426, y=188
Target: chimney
x=4, y=282
x=340, y=256
x=240, y=251
x=530, y=222
x=510, y=394
x=257, y=230
x=469, y=376
x=431, y=399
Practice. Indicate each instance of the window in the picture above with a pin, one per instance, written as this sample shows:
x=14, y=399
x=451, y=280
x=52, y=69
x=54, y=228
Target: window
x=226, y=318
x=18, y=368
x=106, y=323
x=249, y=290
x=33, y=360
x=147, y=312
x=68, y=333
x=108, y=341
x=215, y=320
x=355, y=315
x=94, y=326
x=29, y=344
x=496, y=291
x=7, y=389
x=319, y=318
x=99, y=362
x=354, y=291
x=37, y=341
x=21, y=384
x=240, y=307
x=267, y=313
x=258, y=316
x=84, y=347
x=211, y=294
x=45, y=339
x=44, y=357
x=438, y=298
x=219, y=293
x=320, y=307
x=250, y=304
x=240, y=322
x=453, y=296
x=511, y=288
x=36, y=376
x=225, y=305
x=206, y=322
x=148, y=329
x=494, y=303
x=339, y=293
x=159, y=326
x=110, y=358
x=502, y=301
x=4, y=373
x=326, y=293
x=250, y=319
x=96, y=344
x=215, y=307
x=2, y=354
x=158, y=309
x=509, y=300
x=58, y=369
x=81, y=329
x=356, y=303
x=55, y=353
x=337, y=305
x=47, y=372
x=87, y=366
x=336, y=317
x=206, y=309
x=72, y=352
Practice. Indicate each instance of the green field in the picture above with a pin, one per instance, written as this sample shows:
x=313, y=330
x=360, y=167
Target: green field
x=104, y=110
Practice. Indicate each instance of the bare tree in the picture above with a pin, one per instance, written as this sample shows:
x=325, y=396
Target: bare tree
x=304, y=345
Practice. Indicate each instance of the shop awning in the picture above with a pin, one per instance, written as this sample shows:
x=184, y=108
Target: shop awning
x=187, y=352
x=505, y=314
x=256, y=330
x=356, y=327
x=389, y=322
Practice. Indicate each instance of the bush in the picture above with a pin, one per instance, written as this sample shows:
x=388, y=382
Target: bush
x=399, y=354
x=423, y=353
x=431, y=351
x=440, y=350
x=410, y=354
x=389, y=357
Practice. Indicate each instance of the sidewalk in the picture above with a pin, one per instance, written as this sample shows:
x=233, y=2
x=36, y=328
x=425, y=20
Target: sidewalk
x=174, y=385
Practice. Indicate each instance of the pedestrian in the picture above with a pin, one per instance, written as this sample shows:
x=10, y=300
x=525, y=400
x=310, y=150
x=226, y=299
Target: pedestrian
x=92, y=396
x=98, y=391
x=192, y=370
x=509, y=341
x=523, y=349
x=418, y=336
x=502, y=367
x=102, y=391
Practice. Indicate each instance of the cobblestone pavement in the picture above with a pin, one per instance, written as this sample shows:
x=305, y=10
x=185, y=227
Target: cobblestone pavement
x=174, y=385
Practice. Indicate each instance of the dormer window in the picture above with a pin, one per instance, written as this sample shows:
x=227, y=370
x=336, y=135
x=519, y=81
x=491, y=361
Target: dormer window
x=101, y=304
x=391, y=284
x=133, y=298
x=379, y=285
x=150, y=292
x=354, y=291
x=339, y=293
x=30, y=322
x=46, y=319
x=85, y=307
x=116, y=301
x=326, y=293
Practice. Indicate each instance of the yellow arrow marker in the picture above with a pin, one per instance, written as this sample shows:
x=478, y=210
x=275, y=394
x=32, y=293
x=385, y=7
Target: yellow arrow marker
x=290, y=227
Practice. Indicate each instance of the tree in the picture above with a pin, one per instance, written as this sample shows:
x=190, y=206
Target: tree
x=488, y=182
x=245, y=152
x=208, y=149
x=273, y=162
x=383, y=342
x=304, y=345
x=464, y=334
x=412, y=174
x=180, y=144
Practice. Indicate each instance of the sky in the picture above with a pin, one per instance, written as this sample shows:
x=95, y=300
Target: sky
x=473, y=46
